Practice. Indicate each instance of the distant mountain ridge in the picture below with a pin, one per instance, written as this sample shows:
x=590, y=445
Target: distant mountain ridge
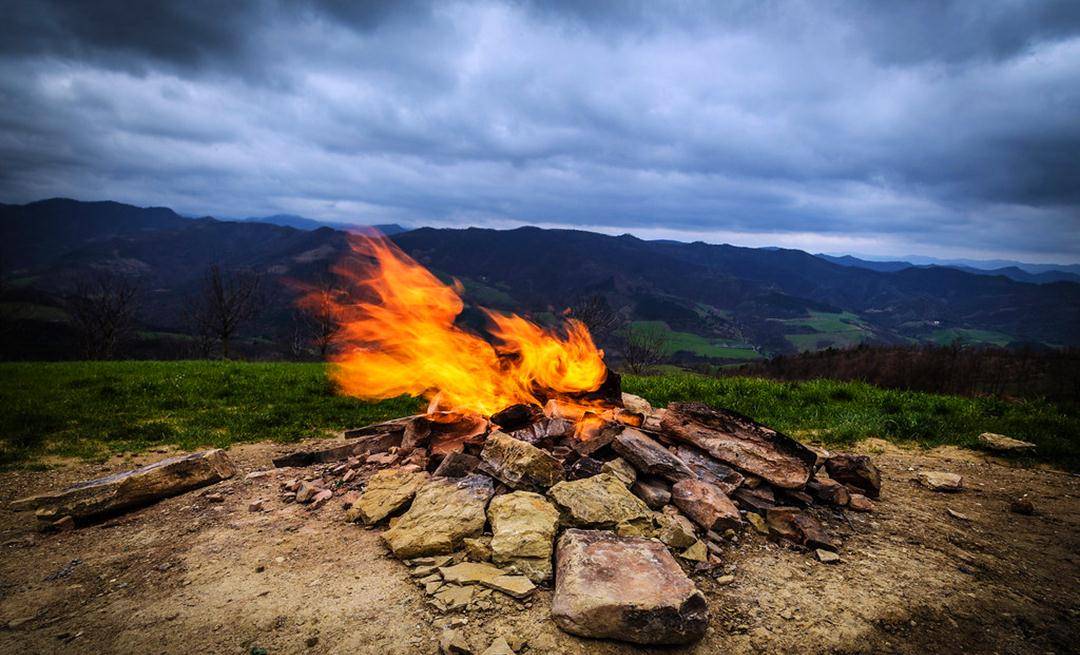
x=1018, y=271
x=718, y=302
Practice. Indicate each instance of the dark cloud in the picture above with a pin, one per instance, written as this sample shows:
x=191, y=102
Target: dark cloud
x=891, y=127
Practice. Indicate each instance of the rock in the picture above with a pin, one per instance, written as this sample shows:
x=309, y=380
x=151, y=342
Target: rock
x=601, y=501
x=349, y=475
x=489, y=576
x=320, y=499
x=518, y=464
x=621, y=469
x=257, y=505
x=795, y=497
x=860, y=503
x=941, y=481
x=697, y=552
x=584, y=467
x=741, y=442
x=130, y=489
x=725, y=580
x=516, y=417
x=1002, y=444
x=589, y=441
x=758, y=498
x=796, y=525
x=477, y=549
x=623, y=588
x=383, y=459
x=367, y=444
x=215, y=498
x=457, y=465
x=636, y=403
x=546, y=429
x=705, y=504
x=1022, y=506
x=307, y=491
x=957, y=515
x=442, y=514
x=708, y=469
x=498, y=647
x=829, y=491
x=350, y=498
x=650, y=457
x=255, y=475
x=452, y=643
x=655, y=492
x=759, y=523
x=826, y=556
x=64, y=523
x=855, y=470
x=451, y=597
x=387, y=492
x=523, y=526
x=674, y=529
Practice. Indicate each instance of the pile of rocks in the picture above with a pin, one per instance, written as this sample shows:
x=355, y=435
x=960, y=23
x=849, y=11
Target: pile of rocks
x=527, y=499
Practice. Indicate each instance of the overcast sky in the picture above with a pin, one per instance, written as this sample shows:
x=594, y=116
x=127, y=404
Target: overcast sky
x=936, y=128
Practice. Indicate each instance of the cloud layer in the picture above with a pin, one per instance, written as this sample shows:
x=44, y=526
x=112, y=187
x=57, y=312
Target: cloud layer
x=938, y=128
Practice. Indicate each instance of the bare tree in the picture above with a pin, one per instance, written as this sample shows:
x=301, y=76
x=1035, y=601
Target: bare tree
x=323, y=325
x=643, y=346
x=102, y=307
x=226, y=301
x=597, y=315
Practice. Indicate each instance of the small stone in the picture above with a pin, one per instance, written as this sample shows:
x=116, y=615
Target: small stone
x=454, y=597
x=307, y=491
x=655, y=492
x=635, y=404
x=498, y=647
x=957, y=515
x=699, y=552
x=518, y=464
x=65, y=523
x=758, y=522
x=1002, y=444
x=311, y=641
x=215, y=498
x=257, y=505
x=453, y=643
x=826, y=556
x=349, y=475
x=1022, y=506
x=255, y=475
x=621, y=469
x=517, y=586
x=387, y=492
x=855, y=470
x=478, y=549
x=523, y=525
x=705, y=504
x=860, y=503
x=941, y=481
x=320, y=499
x=601, y=501
x=725, y=580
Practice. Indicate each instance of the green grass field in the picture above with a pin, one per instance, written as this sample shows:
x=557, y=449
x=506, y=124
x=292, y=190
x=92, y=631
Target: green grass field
x=830, y=331
x=965, y=336
x=697, y=344
x=92, y=409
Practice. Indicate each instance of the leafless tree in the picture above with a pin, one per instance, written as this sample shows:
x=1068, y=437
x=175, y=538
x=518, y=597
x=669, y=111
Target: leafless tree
x=226, y=301
x=102, y=306
x=323, y=325
x=643, y=346
x=597, y=315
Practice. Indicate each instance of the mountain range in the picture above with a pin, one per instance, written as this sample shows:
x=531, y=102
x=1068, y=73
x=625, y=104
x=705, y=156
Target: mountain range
x=714, y=303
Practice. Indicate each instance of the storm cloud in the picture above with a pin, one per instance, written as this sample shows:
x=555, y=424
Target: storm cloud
x=948, y=129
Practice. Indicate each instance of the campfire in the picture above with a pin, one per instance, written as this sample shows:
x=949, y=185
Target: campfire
x=529, y=468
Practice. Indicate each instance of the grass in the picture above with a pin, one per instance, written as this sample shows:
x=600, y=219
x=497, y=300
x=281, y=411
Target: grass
x=947, y=337
x=830, y=330
x=93, y=409
x=697, y=344
x=840, y=413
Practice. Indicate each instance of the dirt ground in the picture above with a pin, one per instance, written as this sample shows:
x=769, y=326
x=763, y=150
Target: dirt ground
x=189, y=576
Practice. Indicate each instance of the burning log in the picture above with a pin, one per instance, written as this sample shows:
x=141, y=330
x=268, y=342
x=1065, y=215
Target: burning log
x=741, y=442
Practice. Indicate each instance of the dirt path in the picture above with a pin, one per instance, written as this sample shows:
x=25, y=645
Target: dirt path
x=188, y=576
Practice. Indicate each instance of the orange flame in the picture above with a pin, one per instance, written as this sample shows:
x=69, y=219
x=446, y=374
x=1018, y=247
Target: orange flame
x=401, y=340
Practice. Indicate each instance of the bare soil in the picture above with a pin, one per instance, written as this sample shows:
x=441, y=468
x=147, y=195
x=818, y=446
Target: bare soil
x=190, y=576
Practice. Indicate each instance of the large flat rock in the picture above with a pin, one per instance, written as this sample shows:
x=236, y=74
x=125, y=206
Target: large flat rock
x=601, y=501
x=130, y=489
x=387, y=492
x=442, y=514
x=741, y=442
x=624, y=588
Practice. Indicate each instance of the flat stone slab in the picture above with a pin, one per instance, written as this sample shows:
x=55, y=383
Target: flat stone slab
x=941, y=481
x=1002, y=444
x=741, y=442
x=705, y=504
x=650, y=457
x=130, y=489
x=443, y=513
x=624, y=588
x=364, y=445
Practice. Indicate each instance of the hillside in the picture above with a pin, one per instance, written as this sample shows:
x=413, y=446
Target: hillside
x=718, y=303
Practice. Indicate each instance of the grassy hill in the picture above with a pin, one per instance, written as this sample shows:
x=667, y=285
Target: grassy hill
x=92, y=409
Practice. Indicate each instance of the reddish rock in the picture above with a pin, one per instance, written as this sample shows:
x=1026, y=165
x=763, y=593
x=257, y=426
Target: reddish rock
x=705, y=505
x=796, y=525
x=656, y=493
x=457, y=465
x=829, y=491
x=855, y=470
x=650, y=457
x=320, y=499
x=624, y=588
x=758, y=498
x=860, y=503
x=708, y=469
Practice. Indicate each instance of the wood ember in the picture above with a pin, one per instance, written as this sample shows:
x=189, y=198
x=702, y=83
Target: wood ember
x=516, y=417
x=741, y=442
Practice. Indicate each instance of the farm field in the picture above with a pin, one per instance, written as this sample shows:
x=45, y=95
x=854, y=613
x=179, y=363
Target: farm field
x=95, y=409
